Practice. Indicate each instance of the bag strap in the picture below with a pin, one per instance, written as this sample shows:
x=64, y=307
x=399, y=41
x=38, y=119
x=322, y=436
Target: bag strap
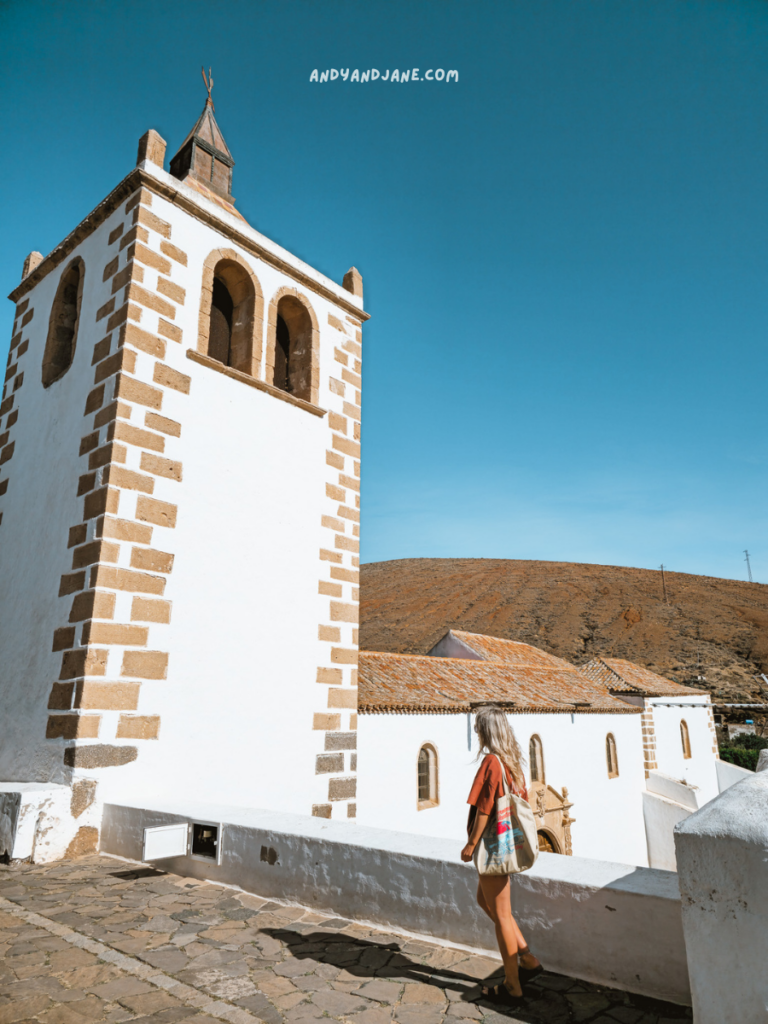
x=503, y=775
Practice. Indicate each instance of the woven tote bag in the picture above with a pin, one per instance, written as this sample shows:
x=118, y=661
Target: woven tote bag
x=509, y=843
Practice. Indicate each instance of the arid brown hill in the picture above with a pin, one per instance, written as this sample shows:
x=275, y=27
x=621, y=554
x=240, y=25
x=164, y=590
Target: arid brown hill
x=709, y=627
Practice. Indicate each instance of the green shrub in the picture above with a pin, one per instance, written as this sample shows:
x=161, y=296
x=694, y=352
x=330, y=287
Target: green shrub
x=741, y=756
x=749, y=741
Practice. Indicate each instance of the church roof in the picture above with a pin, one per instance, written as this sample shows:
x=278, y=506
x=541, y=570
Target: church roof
x=522, y=678
x=622, y=676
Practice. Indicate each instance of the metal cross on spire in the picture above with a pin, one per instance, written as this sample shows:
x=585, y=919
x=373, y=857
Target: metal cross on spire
x=208, y=84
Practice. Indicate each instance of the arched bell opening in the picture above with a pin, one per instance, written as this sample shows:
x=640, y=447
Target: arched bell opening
x=231, y=331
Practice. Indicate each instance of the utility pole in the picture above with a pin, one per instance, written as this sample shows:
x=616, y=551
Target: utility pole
x=749, y=567
x=664, y=584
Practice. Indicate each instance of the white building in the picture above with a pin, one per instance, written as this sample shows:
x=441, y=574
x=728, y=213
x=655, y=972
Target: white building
x=179, y=538
x=179, y=510
x=616, y=754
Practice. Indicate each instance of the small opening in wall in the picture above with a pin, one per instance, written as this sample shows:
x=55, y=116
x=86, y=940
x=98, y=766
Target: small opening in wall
x=205, y=841
x=63, y=324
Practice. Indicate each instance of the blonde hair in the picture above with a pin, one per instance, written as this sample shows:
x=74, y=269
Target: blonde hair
x=497, y=737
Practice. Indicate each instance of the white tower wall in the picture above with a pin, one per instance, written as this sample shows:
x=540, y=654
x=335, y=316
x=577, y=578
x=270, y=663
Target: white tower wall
x=203, y=618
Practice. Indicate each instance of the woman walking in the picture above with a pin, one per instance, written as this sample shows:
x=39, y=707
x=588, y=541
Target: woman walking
x=497, y=739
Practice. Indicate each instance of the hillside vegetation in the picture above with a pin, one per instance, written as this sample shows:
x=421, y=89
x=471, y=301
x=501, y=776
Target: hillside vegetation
x=707, y=627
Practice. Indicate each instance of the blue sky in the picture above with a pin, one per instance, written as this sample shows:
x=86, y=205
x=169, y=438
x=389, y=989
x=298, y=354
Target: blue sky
x=564, y=253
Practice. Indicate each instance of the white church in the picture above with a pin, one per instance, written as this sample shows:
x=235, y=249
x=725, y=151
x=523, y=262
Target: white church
x=617, y=755
x=179, y=562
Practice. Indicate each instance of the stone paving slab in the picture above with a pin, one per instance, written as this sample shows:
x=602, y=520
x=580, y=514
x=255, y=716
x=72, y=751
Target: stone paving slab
x=95, y=940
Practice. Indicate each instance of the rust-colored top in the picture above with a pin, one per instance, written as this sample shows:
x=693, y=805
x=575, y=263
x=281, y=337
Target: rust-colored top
x=621, y=676
x=488, y=788
x=521, y=678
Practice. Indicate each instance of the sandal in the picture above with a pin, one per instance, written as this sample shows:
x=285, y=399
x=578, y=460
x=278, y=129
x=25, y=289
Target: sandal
x=500, y=994
x=527, y=974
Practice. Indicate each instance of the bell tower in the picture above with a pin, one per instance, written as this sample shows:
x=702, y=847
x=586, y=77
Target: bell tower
x=179, y=514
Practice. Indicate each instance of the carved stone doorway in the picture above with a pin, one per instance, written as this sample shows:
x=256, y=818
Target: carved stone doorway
x=546, y=842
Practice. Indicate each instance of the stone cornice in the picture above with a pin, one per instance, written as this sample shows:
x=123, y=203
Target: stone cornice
x=139, y=178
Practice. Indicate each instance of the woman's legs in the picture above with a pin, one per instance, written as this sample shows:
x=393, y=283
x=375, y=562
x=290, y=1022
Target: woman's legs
x=493, y=898
x=527, y=959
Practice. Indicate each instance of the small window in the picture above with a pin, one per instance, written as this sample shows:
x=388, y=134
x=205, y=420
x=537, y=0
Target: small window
x=536, y=759
x=685, y=739
x=427, y=777
x=611, y=756
x=63, y=324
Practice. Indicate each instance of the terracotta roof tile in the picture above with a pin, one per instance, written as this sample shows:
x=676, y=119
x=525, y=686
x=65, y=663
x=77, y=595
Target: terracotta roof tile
x=518, y=675
x=622, y=676
x=512, y=652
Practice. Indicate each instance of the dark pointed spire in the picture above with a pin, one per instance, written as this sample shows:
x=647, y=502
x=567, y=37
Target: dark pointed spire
x=204, y=155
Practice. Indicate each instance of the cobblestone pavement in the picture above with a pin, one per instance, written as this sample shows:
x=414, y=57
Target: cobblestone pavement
x=99, y=940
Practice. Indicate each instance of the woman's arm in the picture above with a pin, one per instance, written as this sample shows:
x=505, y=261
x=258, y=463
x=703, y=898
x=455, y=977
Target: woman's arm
x=481, y=820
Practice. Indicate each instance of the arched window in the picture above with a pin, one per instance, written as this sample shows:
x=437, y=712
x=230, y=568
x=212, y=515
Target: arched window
x=293, y=349
x=536, y=759
x=232, y=333
x=427, y=781
x=611, y=756
x=685, y=739
x=63, y=324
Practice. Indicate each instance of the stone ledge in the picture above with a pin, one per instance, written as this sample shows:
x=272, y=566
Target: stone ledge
x=244, y=378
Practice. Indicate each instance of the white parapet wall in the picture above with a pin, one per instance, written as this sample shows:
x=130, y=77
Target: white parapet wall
x=611, y=924
x=666, y=802
x=730, y=774
x=722, y=859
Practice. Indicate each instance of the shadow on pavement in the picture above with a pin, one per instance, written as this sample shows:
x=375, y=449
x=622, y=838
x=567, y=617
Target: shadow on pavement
x=545, y=996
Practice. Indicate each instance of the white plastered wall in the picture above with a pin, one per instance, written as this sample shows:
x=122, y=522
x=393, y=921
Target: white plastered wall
x=699, y=769
x=607, y=811
x=237, y=707
x=39, y=508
